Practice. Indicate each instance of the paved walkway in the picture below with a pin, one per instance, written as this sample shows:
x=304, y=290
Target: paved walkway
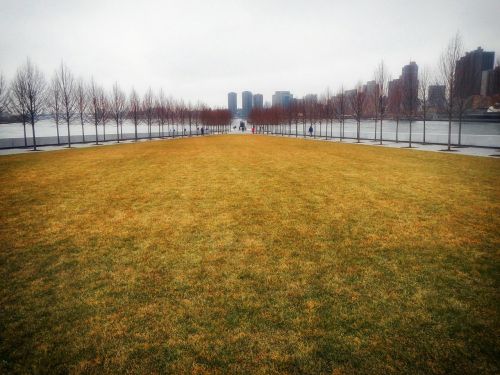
x=472, y=151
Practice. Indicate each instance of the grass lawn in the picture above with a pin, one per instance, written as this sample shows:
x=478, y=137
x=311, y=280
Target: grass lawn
x=249, y=254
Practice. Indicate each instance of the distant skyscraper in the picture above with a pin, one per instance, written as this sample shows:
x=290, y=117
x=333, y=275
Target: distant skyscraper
x=371, y=88
x=232, y=103
x=258, y=101
x=311, y=98
x=436, y=98
x=468, y=73
x=246, y=103
x=409, y=82
x=282, y=99
x=394, y=95
x=490, y=83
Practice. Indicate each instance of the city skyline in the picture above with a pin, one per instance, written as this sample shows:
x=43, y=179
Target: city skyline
x=192, y=54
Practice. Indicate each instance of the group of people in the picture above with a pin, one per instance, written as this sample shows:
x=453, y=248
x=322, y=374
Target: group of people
x=243, y=128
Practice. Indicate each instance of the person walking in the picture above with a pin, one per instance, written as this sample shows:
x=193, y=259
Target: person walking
x=311, y=131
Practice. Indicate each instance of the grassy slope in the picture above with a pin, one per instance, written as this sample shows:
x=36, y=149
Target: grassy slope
x=249, y=254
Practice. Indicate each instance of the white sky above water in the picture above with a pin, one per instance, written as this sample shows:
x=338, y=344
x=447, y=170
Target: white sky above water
x=200, y=50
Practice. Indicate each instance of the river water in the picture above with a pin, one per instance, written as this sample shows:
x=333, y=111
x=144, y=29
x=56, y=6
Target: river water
x=473, y=133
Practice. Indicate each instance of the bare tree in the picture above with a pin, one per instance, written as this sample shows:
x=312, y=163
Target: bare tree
x=198, y=108
x=134, y=109
x=34, y=92
x=464, y=85
x=190, y=113
x=4, y=94
x=94, y=106
x=410, y=99
x=382, y=79
x=148, y=106
x=358, y=106
x=54, y=103
x=161, y=112
x=329, y=111
x=374, y=99
x=81, y=103
x=17, y=101
x=180, y=112
x=448, y=67
x=395, y=103
x=118, y=105
x=67, y=88
x=423, y=84
x=340, y=110
x=104, y=109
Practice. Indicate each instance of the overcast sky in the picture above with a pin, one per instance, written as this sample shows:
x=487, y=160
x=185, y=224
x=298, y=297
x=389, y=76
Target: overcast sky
x=200, y=50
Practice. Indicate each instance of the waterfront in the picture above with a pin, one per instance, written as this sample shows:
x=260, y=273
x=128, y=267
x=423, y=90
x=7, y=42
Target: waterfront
x=482, y=134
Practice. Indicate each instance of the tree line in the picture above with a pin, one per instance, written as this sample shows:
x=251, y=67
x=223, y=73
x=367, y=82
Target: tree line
x=69, y=100
x=406, y=99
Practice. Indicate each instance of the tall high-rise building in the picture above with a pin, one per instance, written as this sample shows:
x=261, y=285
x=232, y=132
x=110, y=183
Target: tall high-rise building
x=258, y=101
x=232, y=103
x=436, y=97
x=371, y=88
x=394, y=95
x=409, y=82
x=372, y=92
x=246, y=103
x=469, y=69
x=490, y=83
x=282, y=99
x=311, y=98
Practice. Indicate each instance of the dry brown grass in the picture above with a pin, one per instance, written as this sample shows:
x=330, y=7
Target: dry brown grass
x=249, y=254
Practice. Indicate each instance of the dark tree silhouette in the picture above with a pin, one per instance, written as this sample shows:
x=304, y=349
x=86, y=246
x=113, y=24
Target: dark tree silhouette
x=67, y=89
x=17, y=102
x=81, y=103
x=357, y=102
x=134, y=109
x=448, y=68
x=34, y=93
x=118, y=109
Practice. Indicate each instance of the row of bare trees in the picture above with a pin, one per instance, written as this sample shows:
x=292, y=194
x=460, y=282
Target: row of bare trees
x=69, y=100
x=408, y=100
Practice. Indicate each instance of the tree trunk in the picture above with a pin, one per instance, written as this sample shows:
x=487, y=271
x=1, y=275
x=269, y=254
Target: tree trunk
x=449, y=133
x=57, y=129
x=33, y=131
x=381, y=129
x=409, y=139
x=397, y=130
x=460, y=129
x=118, y=131
x=83, y=131
x=24, y=129
x=69, y=135
x=425, y=115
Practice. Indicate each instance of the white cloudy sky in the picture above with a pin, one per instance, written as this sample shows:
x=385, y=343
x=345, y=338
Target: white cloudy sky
x=200, y=50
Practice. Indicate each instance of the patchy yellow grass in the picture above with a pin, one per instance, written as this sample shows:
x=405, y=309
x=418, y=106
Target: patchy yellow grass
x=249, y=254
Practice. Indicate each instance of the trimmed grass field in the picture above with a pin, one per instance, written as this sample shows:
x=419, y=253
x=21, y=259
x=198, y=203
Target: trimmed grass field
x=249, y=254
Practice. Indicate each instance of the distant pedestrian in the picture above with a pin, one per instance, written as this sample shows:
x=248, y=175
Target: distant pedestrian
x=311, y=130
x=202, y=130
x=253, y=129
